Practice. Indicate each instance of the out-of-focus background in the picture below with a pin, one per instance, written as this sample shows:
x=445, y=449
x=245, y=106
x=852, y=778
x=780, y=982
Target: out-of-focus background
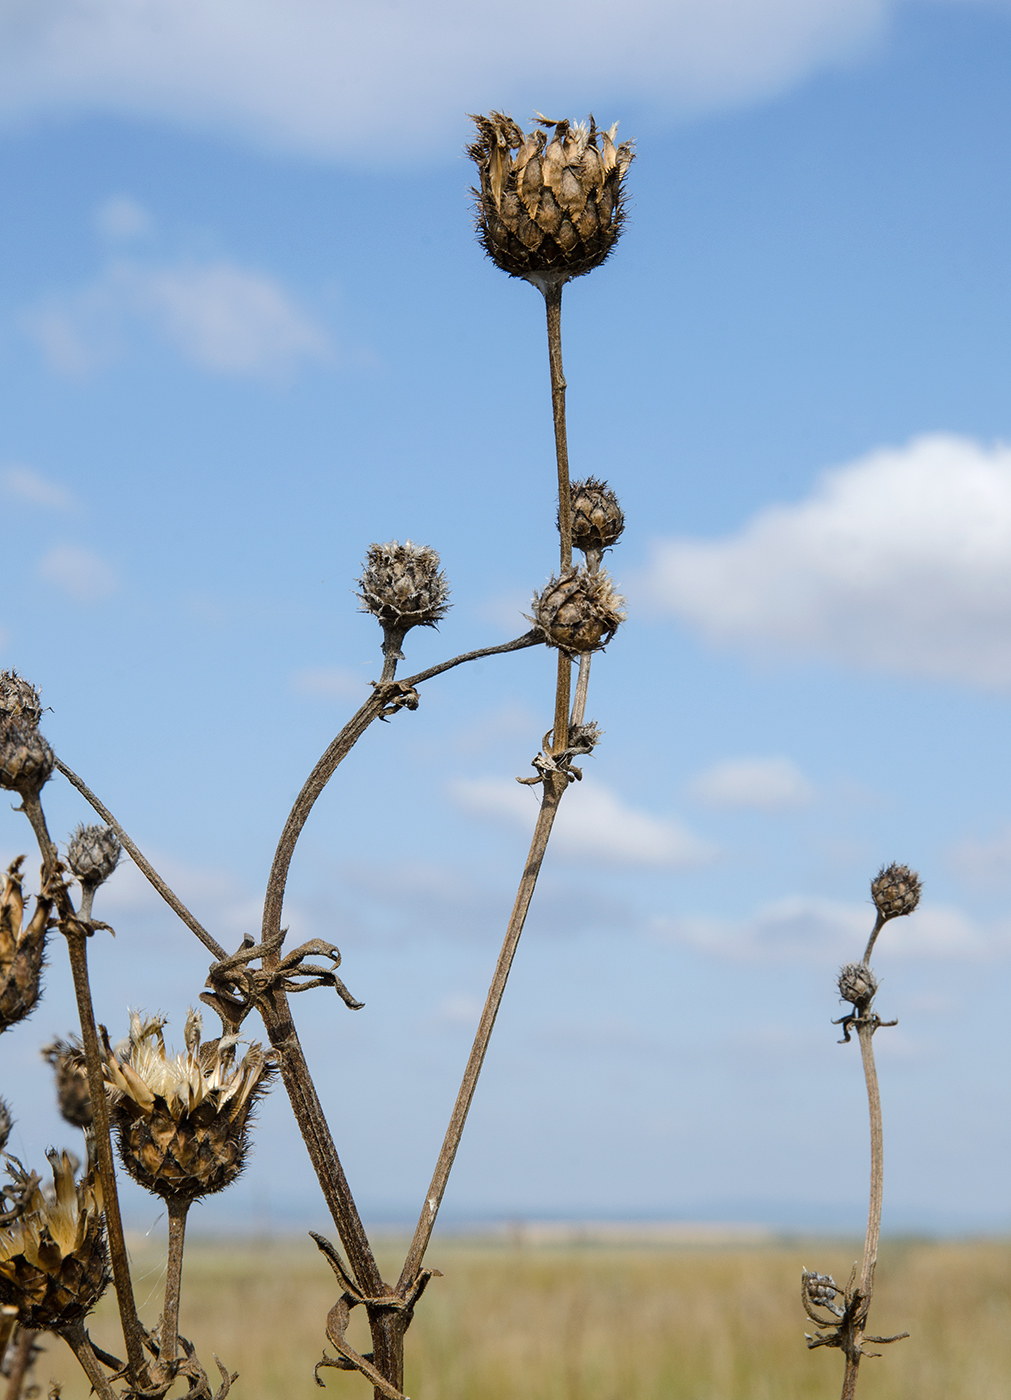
x=245, y=331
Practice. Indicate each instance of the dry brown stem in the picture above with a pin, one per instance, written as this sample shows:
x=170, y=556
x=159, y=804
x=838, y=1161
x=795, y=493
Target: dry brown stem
x=24, y=1350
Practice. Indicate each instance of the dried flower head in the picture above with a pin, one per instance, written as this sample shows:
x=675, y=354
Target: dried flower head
x=548, y=207
x=895, y=891
x=857, y=984
x=19, y=699
x=72, y=1090
x=597, y=518
x=821, y=1291
x=579, y=611
x=402, y=586
x=183, y=1120
x=22, y=950
x=93, y=853
x=53, y=1261
x=26, y=760
x=6, y=1123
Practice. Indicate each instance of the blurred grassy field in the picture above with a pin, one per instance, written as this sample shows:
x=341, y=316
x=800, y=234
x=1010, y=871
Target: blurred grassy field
x=598, y=1323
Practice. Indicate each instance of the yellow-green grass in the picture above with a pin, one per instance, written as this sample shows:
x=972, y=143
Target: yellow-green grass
x=598, y=1323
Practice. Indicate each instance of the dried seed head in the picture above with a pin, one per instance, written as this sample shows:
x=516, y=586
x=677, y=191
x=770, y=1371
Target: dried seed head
x=821, y=1291
x=72, y=1090
x=584, y=738
x=402, y=586
x=597, y=518
x=26, y=760
x=579, y=611
x=93, y=853
x=53, y=1260
x=857, y=983
x=549, y=207
x=19, y=699
x=895, y=891
x=22, y=949
x=6, y=1123
x=183, y=1120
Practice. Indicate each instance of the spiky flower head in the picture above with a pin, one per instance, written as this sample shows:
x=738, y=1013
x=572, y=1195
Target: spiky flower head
x=22, y=950
x=53, y=1260
x=549, y=207
x=26, y=760
x=183, y=1120
x=73, y=1092
x=597, y=518
x=579, y=611
x=895, y=891
x=402, y=586
x=6, y=1123
x=93, y=853
x=19, y=699
x=857, y=984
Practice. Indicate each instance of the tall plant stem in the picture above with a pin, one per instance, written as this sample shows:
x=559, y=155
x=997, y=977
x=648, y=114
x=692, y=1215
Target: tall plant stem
x=552, y=290
x=20, y=1363
x=177, y=1212
x=77, y=946
x=865, y=1283
x=77, y=1339
x=552, y=792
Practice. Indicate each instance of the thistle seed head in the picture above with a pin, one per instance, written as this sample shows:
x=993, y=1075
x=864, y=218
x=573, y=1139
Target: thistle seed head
x=549, y=207
x=6, y=1123
x=19, y=699
x=53, y=1260
x=72, y=1090
x=26, y=760
x=895, y=891
x=857, y=984
x=597, y=518
x=579, y=611
x=183, y=1120
x=402, y=586
x=93, y=853
x=22, y=949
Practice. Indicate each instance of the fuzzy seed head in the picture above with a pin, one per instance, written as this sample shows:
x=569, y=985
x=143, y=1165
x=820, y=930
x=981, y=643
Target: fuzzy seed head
x=551, y=201
x=53, y=1260
x=72, y=1090
x=22, y=949
x=580, y=611
x=857, y=984
x=597, y=518
x=26, y=760
x=402, y=586
x=183, y=1120
x=19, y=699
x=895, y=891
x=93, y=853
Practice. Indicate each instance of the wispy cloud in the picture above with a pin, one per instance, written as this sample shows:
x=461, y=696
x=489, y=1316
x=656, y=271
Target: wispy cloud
x=83, y=576
x=122, y=218
x=593, y=823
x=766, y=783
x=900, y=561
x=31, y=486
x=221, y=317
x=985, y=861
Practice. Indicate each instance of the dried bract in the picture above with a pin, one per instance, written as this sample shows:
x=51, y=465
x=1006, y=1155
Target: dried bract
x=821, y=1291
x=72, y=1089
x=22, y=950
x=26, y=760
x=19, y=699
x=579, y=611
x=549, y=207
x=93, y=853
x=597, y=518
x=895, y=891
x=857, y=984
x=402, y=586
x=53, y=1260
x=183, y=1120
x=6, y=1123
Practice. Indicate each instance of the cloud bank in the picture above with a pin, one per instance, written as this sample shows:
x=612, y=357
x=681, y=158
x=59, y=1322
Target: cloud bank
x=768, y=784
x=900, y=562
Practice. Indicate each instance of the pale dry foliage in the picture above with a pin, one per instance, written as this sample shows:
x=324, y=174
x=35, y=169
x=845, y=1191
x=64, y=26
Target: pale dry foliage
x=605, y=1323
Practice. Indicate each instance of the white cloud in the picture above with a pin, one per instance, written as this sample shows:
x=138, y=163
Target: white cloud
x=121, y=217
x=82, y=575
x=767, y=783
x=805, y=928
x=222, y=317
x=330, y=683
x=900, y=561
x=29, y=485
x=592, y=823
x=356, y=78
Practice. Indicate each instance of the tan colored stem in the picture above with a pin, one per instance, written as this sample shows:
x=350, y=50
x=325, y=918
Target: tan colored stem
x=553, y=789
x=169, y=1339
x=77, y=1340
x=20, y=1362
x=553, y=304
x=582, y=687
x=8, y=1321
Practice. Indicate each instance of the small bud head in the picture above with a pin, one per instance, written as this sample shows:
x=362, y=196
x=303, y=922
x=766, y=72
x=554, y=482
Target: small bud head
x=895, y=891
x=93, y=853
x=549, y=207
x=19, y=699
x=597, y=518
x=821, y=1291
x=72, y=1090
x=857, y=984
x=26, y=760
x=584, y=738
x=580, y=611
x=402, y=586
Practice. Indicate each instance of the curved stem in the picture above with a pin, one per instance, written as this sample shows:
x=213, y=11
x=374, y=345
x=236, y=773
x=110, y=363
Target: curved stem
x=879, y=924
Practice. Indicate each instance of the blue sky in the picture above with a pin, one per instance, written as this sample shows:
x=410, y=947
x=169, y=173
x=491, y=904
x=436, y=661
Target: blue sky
x=245, y=331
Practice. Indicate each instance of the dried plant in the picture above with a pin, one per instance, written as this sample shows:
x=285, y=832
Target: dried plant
x=841, y=1313
x=550, y=207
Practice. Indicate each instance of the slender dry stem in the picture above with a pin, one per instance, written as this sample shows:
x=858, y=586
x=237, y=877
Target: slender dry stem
x=20, y=1362
x=77, y=1339
x=169, y=1338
